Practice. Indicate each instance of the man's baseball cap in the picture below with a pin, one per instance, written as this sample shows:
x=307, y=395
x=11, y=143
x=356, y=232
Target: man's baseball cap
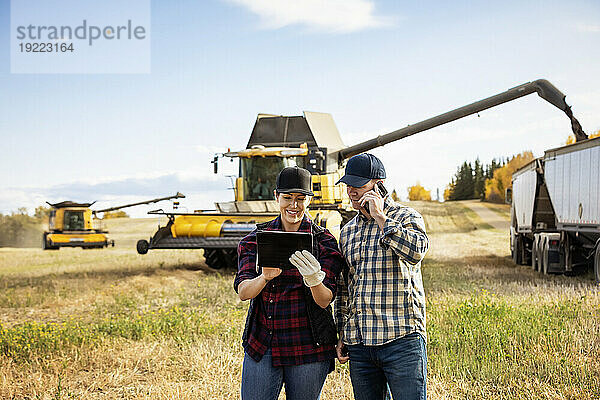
x=361, y=168
x=294, y=180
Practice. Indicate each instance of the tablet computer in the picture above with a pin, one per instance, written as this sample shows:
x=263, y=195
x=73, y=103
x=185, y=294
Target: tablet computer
x=274, y=248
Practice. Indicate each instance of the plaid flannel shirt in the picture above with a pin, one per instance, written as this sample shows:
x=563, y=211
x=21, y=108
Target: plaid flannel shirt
x=381, y=297
x=281, y=322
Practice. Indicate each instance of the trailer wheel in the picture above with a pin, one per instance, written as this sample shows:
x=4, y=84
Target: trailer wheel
x=597, y=263
x=545, y=261
x=142, y=246
x=524, y=255
x=568, y=254
x=517, y=251
x=534, y=252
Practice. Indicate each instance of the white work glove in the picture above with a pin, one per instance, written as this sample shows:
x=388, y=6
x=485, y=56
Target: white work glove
x=309, y=267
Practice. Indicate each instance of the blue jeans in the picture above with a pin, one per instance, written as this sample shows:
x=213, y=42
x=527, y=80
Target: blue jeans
x=400, y=365
x=262, y=381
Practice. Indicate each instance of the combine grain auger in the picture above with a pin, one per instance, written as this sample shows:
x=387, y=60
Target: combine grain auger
x=311, y=141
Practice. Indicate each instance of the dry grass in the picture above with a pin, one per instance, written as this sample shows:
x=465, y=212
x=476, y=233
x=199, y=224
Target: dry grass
x=502, y=209
x=110, y=324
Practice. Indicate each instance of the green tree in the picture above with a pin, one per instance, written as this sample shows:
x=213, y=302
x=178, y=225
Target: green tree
x=463, y=184
x=478, y=180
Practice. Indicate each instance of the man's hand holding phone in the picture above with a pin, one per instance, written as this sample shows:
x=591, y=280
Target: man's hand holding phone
x=372, y=202
x=342, y=352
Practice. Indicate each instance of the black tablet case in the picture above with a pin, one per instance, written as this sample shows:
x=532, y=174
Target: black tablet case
x=276, y=247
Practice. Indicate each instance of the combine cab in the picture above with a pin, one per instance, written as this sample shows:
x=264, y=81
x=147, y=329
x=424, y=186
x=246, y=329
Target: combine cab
x=70, y=225
x=311, y=141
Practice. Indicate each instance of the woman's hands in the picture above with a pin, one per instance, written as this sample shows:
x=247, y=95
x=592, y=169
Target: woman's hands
x=309, y=267
x=250, y=288
x=270, y=273
x=312, y=275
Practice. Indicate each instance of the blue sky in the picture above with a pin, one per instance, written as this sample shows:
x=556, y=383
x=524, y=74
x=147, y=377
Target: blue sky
x=375, y=66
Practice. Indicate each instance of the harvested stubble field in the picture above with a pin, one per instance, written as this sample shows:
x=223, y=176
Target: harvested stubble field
x=104, y=324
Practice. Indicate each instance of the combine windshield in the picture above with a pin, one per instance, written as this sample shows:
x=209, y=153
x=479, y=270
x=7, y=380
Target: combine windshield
x=259, y=175
x=74, y=221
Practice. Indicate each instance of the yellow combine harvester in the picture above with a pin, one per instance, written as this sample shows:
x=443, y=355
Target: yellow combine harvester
x=311, y=141
x=70, y=225
x=276, y=142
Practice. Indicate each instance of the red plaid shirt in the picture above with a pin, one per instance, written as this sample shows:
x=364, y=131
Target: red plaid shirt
x=281, y=321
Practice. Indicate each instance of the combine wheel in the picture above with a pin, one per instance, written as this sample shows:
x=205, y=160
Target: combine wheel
x=213, y=259
x=231, y=256
x=221, y=258
x=142, y=246
x=46, y=245
x=597, y=263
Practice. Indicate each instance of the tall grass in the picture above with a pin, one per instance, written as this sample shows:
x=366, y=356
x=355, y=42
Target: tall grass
x=494, y=340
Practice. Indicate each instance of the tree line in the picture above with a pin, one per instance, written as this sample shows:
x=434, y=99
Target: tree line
x=485, y=182
x=469, y=180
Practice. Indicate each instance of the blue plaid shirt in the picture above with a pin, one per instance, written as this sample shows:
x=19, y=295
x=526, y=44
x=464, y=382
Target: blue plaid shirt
x=381, y=297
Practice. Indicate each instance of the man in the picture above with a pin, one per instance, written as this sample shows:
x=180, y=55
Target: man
x=380, y=307
x=261, y=190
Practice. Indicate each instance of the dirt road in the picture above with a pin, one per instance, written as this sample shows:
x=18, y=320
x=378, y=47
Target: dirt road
x=488, y=216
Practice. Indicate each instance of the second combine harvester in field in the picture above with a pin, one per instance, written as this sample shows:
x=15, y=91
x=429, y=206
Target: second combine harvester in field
x=70, y=224
x=311, y=141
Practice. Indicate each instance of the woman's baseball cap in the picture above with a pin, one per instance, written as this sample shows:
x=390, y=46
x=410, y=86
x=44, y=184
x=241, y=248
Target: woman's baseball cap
x=294, y=180
x=361, y=168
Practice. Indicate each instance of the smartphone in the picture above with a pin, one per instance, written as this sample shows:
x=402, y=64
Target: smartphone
x=344, y=350
x=379, y=188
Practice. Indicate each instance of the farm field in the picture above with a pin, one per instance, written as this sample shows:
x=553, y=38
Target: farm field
x=111, y=324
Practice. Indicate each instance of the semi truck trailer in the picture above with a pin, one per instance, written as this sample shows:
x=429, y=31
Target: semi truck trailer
x=555, y=210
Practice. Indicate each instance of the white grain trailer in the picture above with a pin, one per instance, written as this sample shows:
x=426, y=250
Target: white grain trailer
x=555, y=213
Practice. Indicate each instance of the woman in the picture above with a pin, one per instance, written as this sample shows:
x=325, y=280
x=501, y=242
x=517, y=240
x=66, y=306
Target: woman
x=290, y=335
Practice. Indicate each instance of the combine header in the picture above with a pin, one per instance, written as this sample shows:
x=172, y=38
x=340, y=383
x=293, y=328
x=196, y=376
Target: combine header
x=311, y=141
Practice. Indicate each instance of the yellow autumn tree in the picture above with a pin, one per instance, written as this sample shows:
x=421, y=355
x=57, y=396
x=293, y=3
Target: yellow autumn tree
x=447, y=192
x=115, y=214
x=418, y=192
x=571, y=138
x=495, y=188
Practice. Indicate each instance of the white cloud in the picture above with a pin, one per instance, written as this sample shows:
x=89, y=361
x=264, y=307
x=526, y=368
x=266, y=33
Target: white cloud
x=337, y=16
